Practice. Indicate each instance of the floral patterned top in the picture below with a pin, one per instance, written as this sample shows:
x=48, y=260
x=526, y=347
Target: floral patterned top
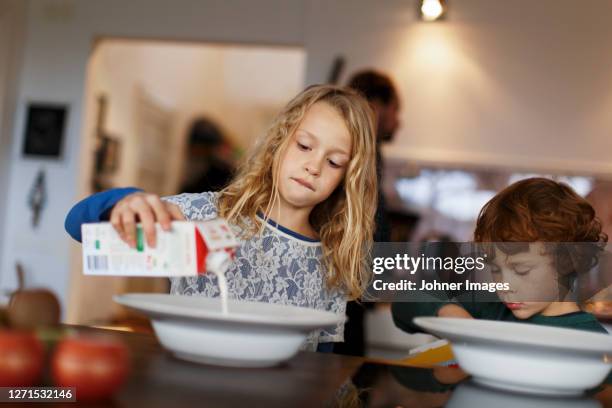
x=277, y=266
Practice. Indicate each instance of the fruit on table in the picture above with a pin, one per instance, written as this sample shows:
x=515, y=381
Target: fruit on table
x=21, y=358
x=30, y=308
x=96, y=367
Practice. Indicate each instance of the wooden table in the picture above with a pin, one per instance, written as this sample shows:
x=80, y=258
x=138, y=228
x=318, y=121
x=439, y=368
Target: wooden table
x=160, y=380
x=307, y=380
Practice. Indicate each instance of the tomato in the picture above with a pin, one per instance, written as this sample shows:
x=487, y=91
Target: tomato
x=96, y=367
x=21, y=358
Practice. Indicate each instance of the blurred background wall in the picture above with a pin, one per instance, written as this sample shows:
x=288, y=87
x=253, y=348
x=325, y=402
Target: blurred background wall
x=518, y=84
x=166, y=85
x=12, y=30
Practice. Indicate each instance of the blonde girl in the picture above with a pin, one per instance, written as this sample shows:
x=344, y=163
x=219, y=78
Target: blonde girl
x=302, y=202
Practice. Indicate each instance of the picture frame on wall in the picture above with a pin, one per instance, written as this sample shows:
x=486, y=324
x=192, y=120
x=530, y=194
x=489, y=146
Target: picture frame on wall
x=45, y=128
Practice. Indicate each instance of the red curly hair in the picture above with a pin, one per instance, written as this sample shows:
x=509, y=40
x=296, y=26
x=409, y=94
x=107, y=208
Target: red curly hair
x=538, y=209
x=542, y=210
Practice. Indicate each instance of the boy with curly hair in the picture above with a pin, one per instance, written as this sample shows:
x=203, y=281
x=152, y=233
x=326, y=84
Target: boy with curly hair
x=542, y=236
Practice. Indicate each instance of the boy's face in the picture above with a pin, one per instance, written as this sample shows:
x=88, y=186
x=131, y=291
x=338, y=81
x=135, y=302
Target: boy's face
x=533, y=280
x=316, y=158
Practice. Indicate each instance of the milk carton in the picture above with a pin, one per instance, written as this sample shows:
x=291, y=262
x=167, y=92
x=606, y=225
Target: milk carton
x=182, y=251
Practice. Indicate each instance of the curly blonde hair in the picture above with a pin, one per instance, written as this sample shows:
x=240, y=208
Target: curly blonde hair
x=345, y=220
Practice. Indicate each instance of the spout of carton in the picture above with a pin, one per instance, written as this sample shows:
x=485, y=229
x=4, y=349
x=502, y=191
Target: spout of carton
x=218, y=262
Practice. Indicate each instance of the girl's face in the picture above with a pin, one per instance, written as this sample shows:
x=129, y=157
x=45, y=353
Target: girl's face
x=316, y=158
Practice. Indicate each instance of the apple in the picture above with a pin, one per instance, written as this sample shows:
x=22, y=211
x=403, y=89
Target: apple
x=21, y=358
x=95, y=366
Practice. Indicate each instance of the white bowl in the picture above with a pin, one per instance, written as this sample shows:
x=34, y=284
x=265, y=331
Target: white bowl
x=525, y=357
x=471, y=395
x=252, y=334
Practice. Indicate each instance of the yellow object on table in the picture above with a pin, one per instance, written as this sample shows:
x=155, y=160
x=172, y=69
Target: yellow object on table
x=438, y=353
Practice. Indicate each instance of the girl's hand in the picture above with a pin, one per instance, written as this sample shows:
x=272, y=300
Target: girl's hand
x=146, y=208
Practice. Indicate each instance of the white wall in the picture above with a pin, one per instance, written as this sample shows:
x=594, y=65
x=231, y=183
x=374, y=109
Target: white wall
x=503, y=83
x=240, y=87
x=518, y=83
x=168, y=74
x=12, y=28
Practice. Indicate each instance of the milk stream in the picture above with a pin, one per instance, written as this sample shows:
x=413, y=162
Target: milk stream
x=218, y=263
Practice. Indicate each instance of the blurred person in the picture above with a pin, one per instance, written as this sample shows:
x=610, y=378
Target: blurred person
x=382, y=95
x=209, y=158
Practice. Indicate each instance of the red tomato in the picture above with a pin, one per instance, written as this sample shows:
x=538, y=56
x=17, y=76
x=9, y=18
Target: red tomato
x=21, y=358
x=96, y=367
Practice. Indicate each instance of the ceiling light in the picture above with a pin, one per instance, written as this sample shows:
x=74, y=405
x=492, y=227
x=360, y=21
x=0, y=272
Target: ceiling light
x=432, y=10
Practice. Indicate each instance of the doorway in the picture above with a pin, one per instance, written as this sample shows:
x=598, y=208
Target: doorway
x=142, y=100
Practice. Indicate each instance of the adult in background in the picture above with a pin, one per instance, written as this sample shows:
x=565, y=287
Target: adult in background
x=209, y=158
x=381, y=93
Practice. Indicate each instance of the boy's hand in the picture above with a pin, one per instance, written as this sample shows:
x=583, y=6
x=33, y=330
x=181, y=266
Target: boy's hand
x=453, y=310
x=448, y=375
x=146, y=208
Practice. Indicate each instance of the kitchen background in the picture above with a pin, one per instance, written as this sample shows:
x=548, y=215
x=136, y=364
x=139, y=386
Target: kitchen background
x=494, y=92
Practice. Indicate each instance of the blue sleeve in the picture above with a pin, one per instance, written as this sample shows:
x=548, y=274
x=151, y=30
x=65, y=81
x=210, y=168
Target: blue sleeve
x=94, y=208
